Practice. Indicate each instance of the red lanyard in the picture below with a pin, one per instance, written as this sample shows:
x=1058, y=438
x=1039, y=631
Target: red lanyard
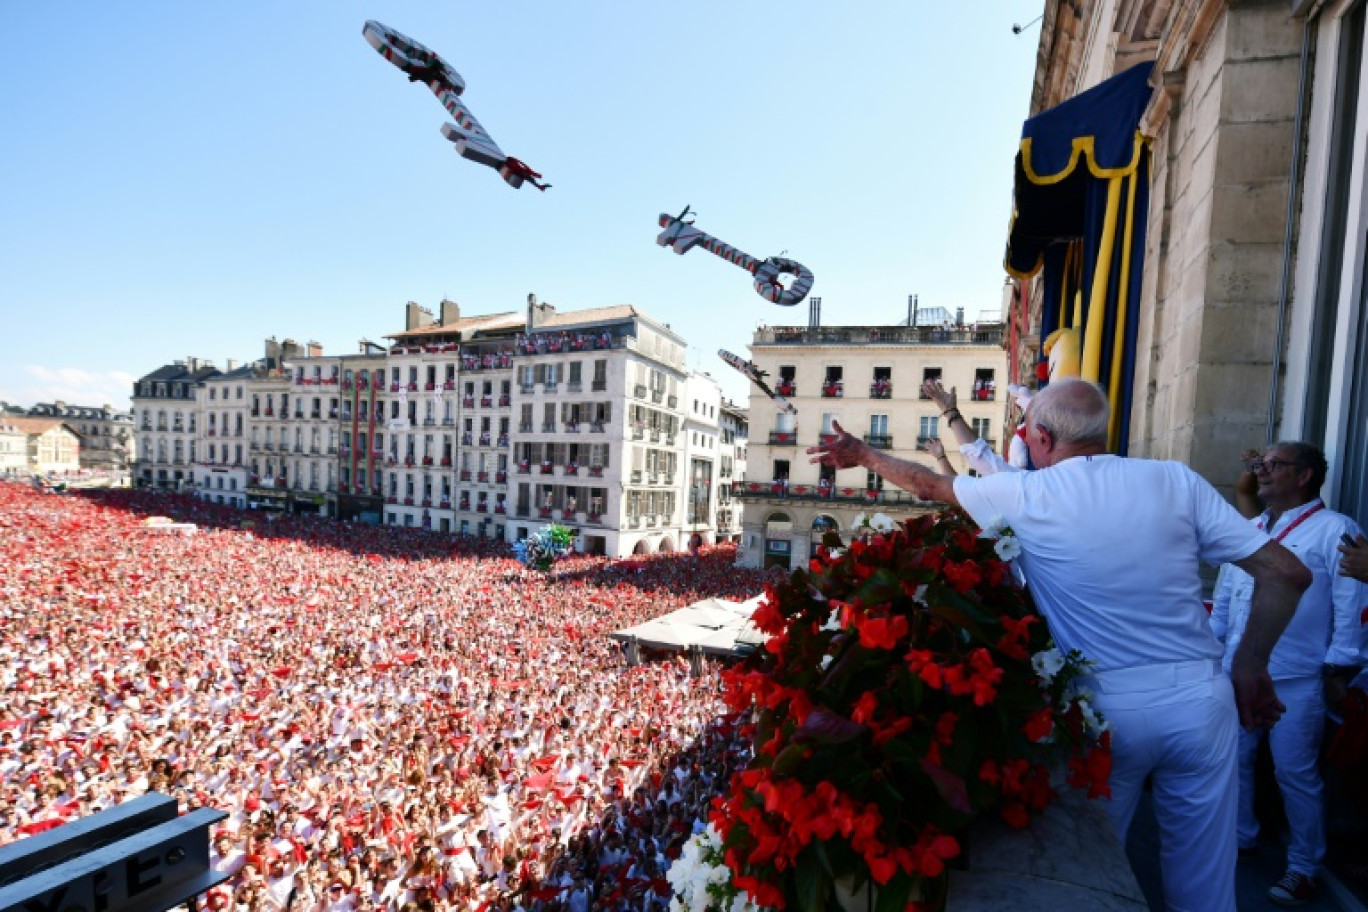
x=1296, y=522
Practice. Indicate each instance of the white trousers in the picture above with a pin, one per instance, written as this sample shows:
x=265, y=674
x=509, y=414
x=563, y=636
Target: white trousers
x=1295, y=743
x=1179, y=724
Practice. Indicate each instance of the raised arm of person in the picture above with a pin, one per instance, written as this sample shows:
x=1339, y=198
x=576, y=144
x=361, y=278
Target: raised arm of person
x=937, y=451
x=1279, y=581
x=946, y=401
x=1247, y=487
x=847, y=452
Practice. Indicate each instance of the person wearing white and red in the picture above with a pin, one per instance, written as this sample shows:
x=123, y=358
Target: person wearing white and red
x=1112, y=548
x=1316, y=657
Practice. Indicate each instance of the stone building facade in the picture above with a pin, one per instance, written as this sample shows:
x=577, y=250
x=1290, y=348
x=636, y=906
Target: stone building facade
x=734, y=430
x=165, y=424
x=106, y=433
x=868, y=379
x=50, y=444
x=1252, y=311
x=702, y=462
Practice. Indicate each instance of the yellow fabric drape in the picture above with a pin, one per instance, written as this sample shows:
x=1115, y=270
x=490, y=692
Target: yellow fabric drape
x=1097, y=301
x=1119, y=340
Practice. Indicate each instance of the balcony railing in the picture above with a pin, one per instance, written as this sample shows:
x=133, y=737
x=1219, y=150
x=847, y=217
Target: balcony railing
x=639, y=390
x=879, y=390
x=598, y=386
x=595, y=471
x=833, y=391
x=783, y=438
x=505, y=401
x=878, y=335
x=548, y=427
x=765, y=490
x=486, y=401
x=879, y=441
x=787, y=389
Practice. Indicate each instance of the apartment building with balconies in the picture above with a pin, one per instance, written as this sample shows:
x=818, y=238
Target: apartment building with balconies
x=702, y=401
x=223, y=406
x=868, y=379
x=597, y=439
x=106, y=433
x=734, y=436
x=165, y=423
x=447, y=431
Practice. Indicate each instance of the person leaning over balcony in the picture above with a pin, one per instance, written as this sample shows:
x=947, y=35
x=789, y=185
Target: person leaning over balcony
x=1093, y=527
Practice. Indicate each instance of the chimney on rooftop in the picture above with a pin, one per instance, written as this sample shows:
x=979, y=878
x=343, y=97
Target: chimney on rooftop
x=537, y=313
x=451, y=312
x=959, y=316
x=231, y=364
x=315, y=350
x=416, y=317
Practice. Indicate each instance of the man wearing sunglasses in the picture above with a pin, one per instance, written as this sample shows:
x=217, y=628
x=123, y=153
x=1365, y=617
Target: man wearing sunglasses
x=1313, y=662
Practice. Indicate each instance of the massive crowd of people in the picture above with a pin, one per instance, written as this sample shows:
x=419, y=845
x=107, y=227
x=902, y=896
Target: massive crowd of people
x=390, y=719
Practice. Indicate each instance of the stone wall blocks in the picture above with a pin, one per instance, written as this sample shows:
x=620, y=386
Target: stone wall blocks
x=1250, y=213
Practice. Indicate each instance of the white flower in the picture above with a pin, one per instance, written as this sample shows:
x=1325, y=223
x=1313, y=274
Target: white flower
x=994, y=527
x=837, y=553
x=1047, y=663
x=1007, y=547
x=860, y=521
x=825, y=663
x=833, y=621
x=881, y=523
x=920, y=595
x=1091, y=720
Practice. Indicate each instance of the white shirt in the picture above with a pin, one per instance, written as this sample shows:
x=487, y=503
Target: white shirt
x=1112, y=548
x=980, y=457
x=1327, y=626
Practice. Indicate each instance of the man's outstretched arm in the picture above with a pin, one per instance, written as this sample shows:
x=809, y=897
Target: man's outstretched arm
x=847, y=452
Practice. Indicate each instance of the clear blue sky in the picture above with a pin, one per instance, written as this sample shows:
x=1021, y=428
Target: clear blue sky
x=189, y=178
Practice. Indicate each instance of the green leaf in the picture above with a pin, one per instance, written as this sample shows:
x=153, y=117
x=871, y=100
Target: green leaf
x=957, y=615
x=813, y=886
x=789, y=759
x=881, y=587
x=893, y=895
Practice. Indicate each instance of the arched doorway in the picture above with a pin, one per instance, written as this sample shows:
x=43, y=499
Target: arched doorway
x=642, y=547
x=821, y=525
x=666, y=545
x=778, y=544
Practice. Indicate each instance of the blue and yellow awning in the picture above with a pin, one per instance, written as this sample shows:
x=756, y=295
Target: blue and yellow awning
x=1079, y=213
